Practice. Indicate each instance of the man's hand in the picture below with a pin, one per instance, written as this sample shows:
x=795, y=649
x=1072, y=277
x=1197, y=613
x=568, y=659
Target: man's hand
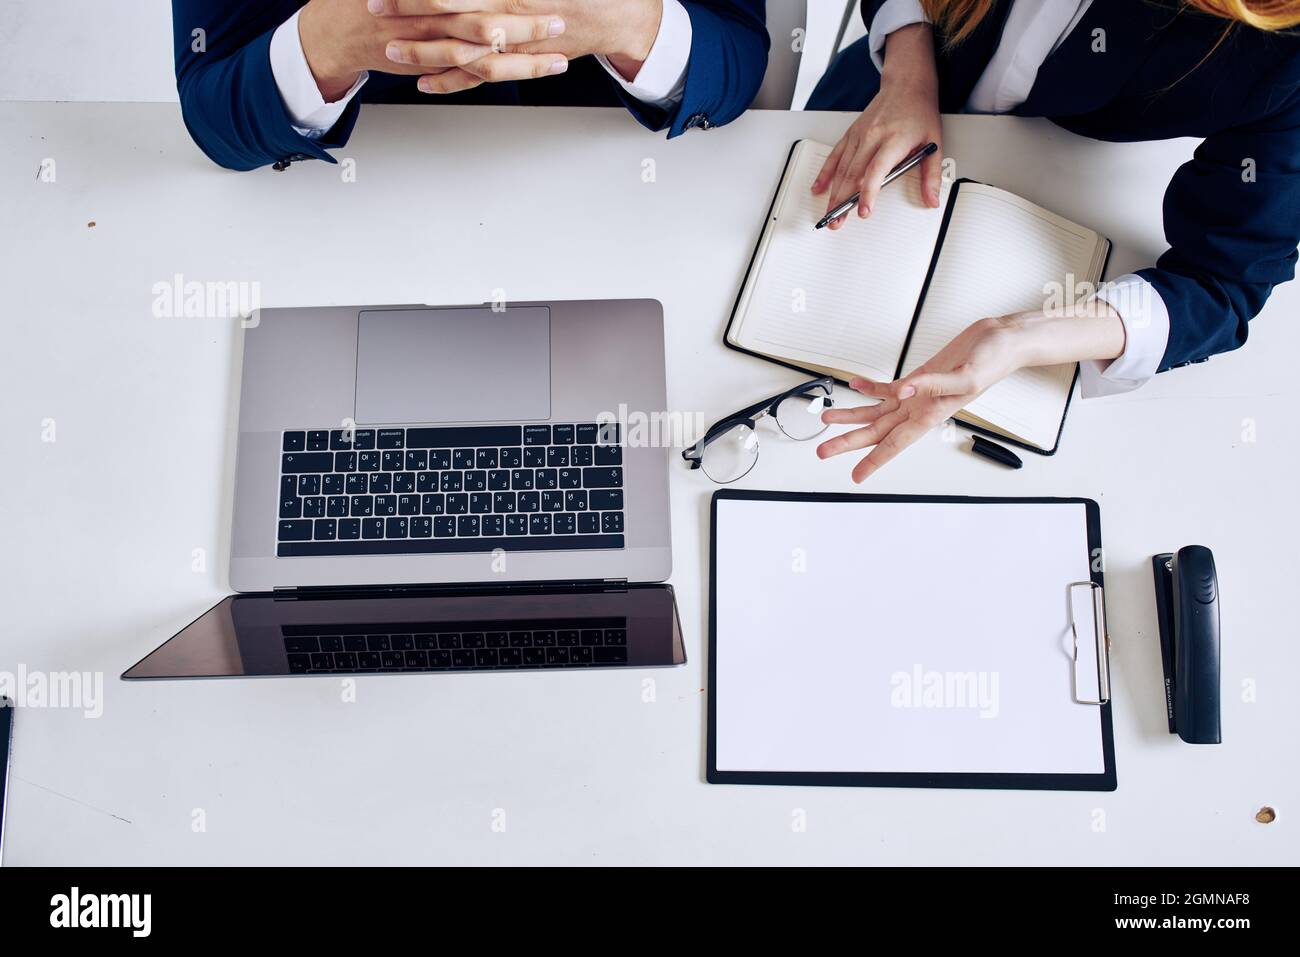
x=982, y=355
x=624, y=31
x=341, y=38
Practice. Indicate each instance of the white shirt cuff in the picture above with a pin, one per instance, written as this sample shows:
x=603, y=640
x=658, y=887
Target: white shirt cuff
x=1146, y=332
x=312, y=116
x=661, y=81
x=892, y=15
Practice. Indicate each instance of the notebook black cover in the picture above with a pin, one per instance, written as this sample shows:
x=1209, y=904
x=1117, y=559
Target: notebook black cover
x=907, y=341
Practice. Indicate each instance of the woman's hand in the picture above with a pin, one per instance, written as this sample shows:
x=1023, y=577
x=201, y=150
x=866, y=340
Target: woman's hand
x=982, y=355
x=900, y=119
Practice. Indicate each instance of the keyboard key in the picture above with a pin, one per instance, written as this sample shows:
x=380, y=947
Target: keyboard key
x=345, y=461
x=557, y=656
x=308, y=485
x=552, y=502
x=295, y=531
x=591, y=637
x=354, y=642
x=602, y=477
x=390, y=438
x=357, y=484
x=515, y=525
x=426, y=642
x=449, y=642
x=462, y=659
x=395, y=528
x=615, y=636
x=294, y=442
x=534, y=656
x=609, y=455
x=511, y=458
x=543, y=639
x=467, y=526
x=299, y=664
x=566, y=637
x=606, y=501
x=368, y=660
x=545, y=478
x=499, y=479
x=609, y=656
x=415, y=659
x=562, y=434
x=485, y=658
x=493, y=526
x=378, y=643
x=392, y=461
x=537, y=435
x=475, y=481
x=521, y=639
x=385, y=505
x=432, y=504
x=607, y=433
x=292, y=462
x=417, y=460
x=529, y=501
x=403, y=482
x=290, y=505
x=497, y=639
x=340, y=440
x=580, y=656
x=426, y=482
x=480, y=503
x=534, y=457
x=349, y=529
x=581, y=455
x=585, y=434
x=362, y=506
x=318, y=440
x=313, y=507
x=566, y=523
x=457, y=503
x=421, y=527
x=570, y=478
x=372, y=528
x=444, y=526
x=408, y=505
x=301, y=643
x=381, y=483
x=557, y=456
x=510, y=657
x=575, y=501
x=363, y=439
x=440, y=459
x=336, y=506
x=503, y=501
x=539, y=525
x=588, y=523
x=486, y=459
x=450, y=482
x=326, y=530
x=392, y=660
x=440, y=659
x=462, y=459
x=521, y=479
x=368, y=461
x=333, y=484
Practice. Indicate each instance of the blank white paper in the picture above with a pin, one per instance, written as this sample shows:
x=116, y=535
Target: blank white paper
x=903, y=637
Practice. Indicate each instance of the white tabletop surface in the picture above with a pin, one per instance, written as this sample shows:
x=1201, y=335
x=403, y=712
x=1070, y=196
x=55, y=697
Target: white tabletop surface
x=450, y=203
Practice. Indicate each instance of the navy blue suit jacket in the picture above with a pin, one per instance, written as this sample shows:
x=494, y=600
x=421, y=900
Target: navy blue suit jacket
x=1232, y=214
x=233, y=109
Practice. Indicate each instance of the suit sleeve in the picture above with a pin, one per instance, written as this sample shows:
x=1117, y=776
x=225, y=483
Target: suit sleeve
x=729, y=44
x=1232, y=221
x=229, y=99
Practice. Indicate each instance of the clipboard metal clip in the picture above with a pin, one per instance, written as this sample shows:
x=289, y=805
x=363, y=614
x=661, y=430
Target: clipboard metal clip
x=1101, y=640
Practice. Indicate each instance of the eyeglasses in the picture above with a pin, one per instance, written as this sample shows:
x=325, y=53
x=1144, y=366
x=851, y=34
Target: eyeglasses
x=729, y=448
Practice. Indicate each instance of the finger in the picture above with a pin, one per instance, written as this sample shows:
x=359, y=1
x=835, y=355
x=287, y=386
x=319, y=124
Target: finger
x=871, y=388
x=858, y=415
x=453, y=80
x=435, y=53
x=500, y=67
x=501, y=30
x=932, y=176
x=891, y=153
x=419, y=8
x=888, y=447
x=935, y=384
x=830, y=166
x=848, y=178
x=860, y=438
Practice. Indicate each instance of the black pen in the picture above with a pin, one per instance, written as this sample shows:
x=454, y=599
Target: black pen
x=991, y=450
x=894, y=173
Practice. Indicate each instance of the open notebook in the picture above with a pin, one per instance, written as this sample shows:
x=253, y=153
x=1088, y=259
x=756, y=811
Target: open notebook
x=879, y=298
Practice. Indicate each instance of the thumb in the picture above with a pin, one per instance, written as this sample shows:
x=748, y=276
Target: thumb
x=932, y=385
x=932, y=176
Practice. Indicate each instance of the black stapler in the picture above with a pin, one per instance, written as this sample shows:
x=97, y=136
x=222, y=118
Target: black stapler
x=1187, y=606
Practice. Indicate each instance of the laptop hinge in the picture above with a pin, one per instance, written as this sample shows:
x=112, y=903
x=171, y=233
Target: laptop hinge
x=291, y=593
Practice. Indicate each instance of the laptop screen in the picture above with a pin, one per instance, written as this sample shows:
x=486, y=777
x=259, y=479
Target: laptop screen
x=264, y=635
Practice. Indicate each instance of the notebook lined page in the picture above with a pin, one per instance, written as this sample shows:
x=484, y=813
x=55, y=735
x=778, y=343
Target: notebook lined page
x=841, y=300
x=998, y=256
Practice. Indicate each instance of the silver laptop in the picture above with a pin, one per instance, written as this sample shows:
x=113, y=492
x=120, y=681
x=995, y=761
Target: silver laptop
x=441, y=488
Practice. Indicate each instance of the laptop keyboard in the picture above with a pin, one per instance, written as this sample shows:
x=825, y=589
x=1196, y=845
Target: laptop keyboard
x=455, y=646
x=454, y=489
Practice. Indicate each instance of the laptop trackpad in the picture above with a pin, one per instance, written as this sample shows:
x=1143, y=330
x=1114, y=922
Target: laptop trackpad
x=453, y=365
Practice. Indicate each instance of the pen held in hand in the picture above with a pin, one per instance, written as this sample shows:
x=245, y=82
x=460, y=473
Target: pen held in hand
x=896, y=172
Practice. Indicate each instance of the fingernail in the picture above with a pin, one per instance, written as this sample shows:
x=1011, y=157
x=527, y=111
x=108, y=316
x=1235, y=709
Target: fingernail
x=559, y=66
x=555, y=28
x=375, y=6
x=424, y=86
x=393, y=52
x=907, y=391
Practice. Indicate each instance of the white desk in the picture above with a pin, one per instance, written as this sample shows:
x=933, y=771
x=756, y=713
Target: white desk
x=449, y=204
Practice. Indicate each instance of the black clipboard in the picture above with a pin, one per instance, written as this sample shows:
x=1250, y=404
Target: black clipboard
x=1105, y=781
x=916, y=314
